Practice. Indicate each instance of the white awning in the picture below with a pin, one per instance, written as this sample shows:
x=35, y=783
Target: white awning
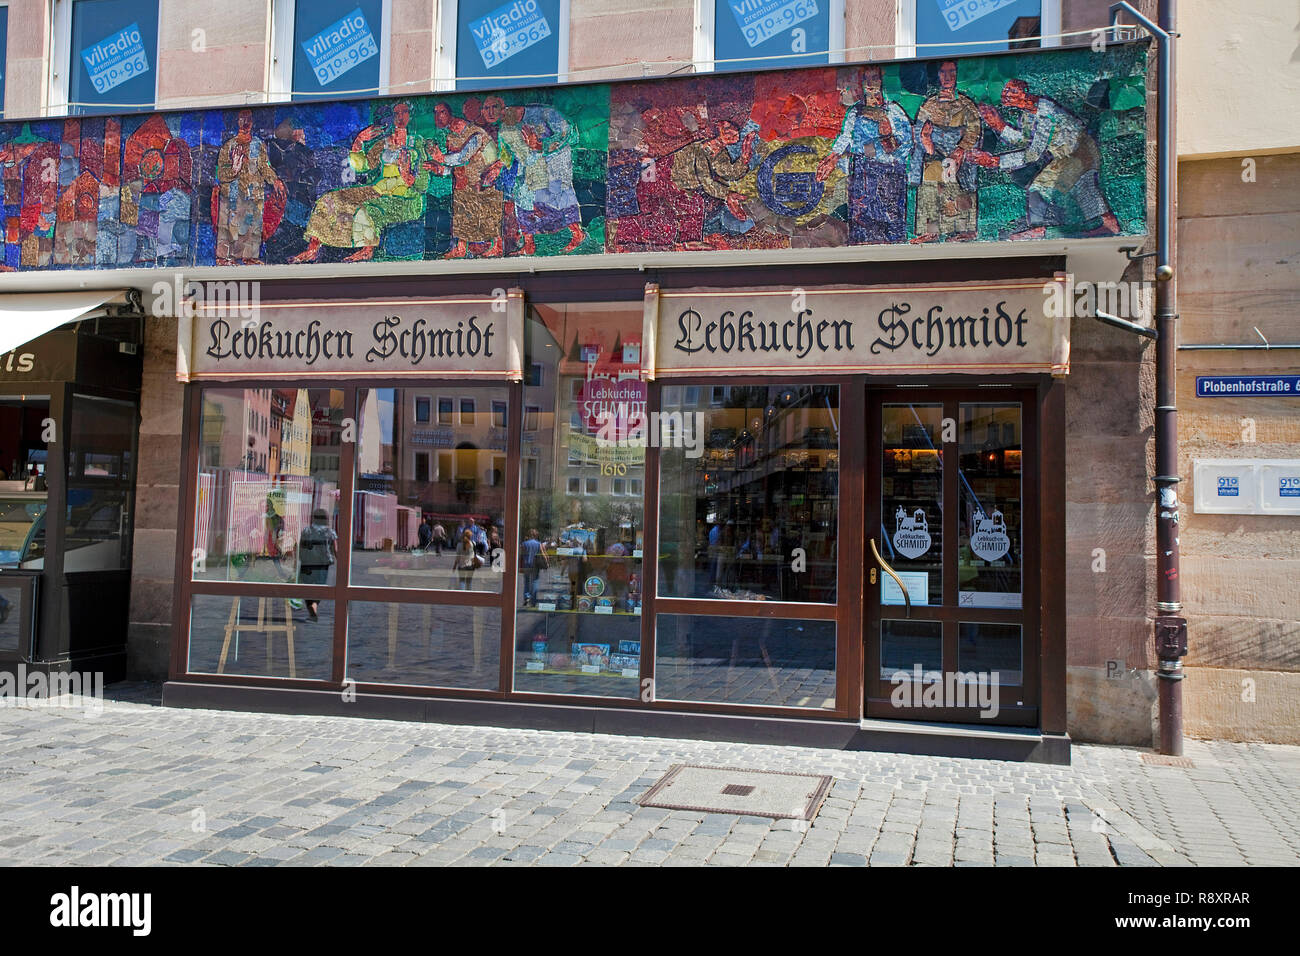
x=26, y=316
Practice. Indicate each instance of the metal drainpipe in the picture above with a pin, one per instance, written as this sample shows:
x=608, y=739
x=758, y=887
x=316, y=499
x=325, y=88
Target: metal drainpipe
x=1170, y=629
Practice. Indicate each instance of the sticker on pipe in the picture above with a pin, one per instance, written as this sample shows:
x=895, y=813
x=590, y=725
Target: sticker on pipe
x=989, y=539
x=911, y=533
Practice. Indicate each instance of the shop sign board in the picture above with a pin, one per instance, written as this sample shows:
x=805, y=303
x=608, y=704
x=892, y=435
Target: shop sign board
x=464, y=337
x=977, y=327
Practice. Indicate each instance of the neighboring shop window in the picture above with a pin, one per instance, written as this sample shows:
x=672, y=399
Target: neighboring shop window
x=760, y=34
x=267, y=500
x=101, y=473
x=24, y=495
x=500, y=43
x=749, y=499
x=112, y=56
x=580, y=565
x=266, y=513
x=339, y=47
x=460, y=505
x=999, y=24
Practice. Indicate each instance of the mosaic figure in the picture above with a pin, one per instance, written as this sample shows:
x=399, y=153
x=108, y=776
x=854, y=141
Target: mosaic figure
x=31, y=194
x=295, y=163
x=477, y=206
x=947, y=128
x=243, y=174
x=1053, y=144
x=354, y=217
x=708, y=167
x=876, y=138
x=535, y=145
x=151, y=224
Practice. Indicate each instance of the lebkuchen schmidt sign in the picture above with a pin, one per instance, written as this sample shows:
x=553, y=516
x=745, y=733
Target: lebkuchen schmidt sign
x=956, y=327
x=461, y=337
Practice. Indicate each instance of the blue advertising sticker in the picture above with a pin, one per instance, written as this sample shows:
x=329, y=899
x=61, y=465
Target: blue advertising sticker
x=507, y=30
x=1288, y=486
x=115, y=59
x=344, y=44
x=760, y=20
x=961, y=13
x=1228, y=487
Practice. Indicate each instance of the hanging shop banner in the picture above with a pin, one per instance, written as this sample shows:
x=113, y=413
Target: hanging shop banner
x=464, y=337
x=977, y=327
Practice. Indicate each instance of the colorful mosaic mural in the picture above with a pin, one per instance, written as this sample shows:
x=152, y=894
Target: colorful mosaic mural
x=1006, y=147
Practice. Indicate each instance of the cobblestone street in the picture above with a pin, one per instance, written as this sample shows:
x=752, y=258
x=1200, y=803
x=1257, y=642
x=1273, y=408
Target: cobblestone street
x=140, y=784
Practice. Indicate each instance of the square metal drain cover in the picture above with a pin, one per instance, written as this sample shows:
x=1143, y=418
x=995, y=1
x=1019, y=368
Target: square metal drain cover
x=758, y=793
x=1162, y=760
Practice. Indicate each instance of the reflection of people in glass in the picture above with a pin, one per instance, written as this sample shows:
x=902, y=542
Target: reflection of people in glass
x=465, y=562
x=317, y=549
x=530, y=565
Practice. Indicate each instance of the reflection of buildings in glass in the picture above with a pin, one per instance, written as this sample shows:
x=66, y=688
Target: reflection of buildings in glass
x=237, y=429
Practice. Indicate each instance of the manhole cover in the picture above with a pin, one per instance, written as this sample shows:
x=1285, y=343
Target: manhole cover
x=760, y=793
x=1161, y=760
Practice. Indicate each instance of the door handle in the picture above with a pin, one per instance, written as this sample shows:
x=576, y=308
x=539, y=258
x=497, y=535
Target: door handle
x=907, y=598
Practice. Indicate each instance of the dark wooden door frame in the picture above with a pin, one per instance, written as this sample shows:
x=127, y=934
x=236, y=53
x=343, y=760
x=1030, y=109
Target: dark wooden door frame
x=1024, y=709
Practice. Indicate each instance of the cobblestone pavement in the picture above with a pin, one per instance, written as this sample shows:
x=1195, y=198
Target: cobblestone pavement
x=141, y=784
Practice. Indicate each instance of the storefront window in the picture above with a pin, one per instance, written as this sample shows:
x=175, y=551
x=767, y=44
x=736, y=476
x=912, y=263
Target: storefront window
x=267, y=501
x=454, y=493
x=578, y=623
x=261, y=636
x=771, y=662
x=101, y=471
x=424, y=644
x=749, y=494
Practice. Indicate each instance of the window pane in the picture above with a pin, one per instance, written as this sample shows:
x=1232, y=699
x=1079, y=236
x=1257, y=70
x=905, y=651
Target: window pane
x=989, y=563
x=422, y=410
x=749, y=494
x=907, y=645
x=792, y=32
x=580, y=562
x=911, y=501
x=268, y=486
x=261, y=637
x=336, y=47
x=991, y=649
x=100, y=472
x=461, y=508
x=964, y=21
x=113, y=57
x=4, y=57
x=426, y=644
x=500, y=39
x=745, y=660
x=24, y=494
x=12, y=640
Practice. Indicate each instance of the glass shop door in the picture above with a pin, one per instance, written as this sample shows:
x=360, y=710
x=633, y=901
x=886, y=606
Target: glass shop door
x=952, y=527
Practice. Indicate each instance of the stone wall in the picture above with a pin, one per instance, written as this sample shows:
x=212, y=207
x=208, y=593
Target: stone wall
x=156, y=499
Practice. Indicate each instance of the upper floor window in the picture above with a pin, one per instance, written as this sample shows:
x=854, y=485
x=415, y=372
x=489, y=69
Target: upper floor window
x=756, y=34
x=496, y=43
x=327, y=49
x=980, y=26
x=105, y=56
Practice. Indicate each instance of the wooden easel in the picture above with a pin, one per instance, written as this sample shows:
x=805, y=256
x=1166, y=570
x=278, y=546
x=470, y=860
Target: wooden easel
x=265, y=626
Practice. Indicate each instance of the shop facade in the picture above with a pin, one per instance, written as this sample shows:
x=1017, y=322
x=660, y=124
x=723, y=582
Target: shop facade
x=725, y=406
